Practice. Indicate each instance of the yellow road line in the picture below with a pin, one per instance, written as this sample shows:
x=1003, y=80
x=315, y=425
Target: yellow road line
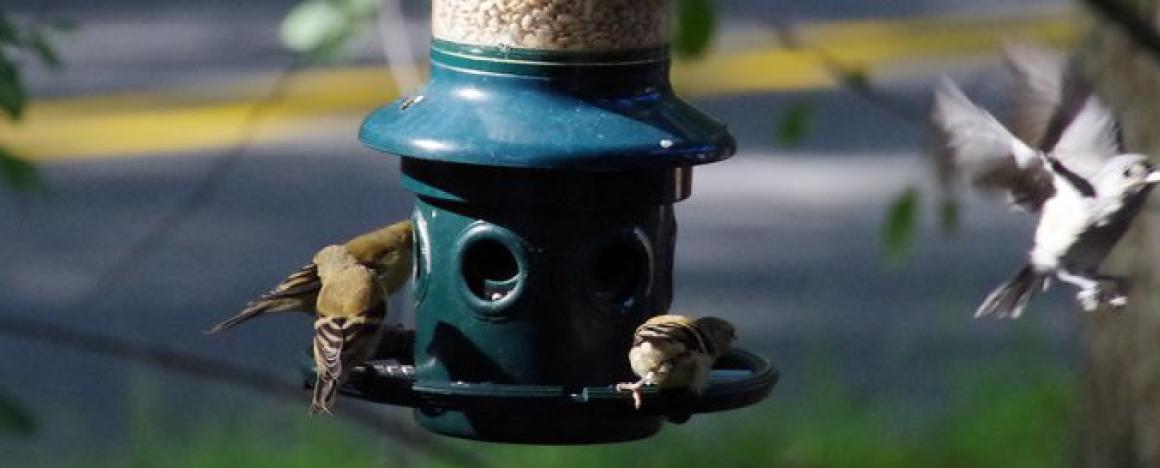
x=138, y=124
x=104, y=127
x=864, y=45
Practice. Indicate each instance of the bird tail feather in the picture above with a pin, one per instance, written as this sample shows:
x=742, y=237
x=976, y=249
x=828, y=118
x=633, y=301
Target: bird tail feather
x=1010, y=298
x=253, y=310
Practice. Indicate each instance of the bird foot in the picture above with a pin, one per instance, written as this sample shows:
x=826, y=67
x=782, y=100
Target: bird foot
x=1115, y=294
x=320, y=409
x=1118, y=298
x=1089, y=300
x=633, y=387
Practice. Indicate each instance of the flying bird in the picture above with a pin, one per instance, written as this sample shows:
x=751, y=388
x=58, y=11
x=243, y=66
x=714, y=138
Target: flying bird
x=385, y=251
x=674, y=351
x=1074, y=176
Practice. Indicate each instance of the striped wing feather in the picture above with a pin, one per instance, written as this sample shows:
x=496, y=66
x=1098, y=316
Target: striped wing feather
x=672, y=328
x=341, y=343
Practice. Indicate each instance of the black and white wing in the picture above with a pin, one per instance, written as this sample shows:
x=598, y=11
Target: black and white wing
x=1039, y=75
x=1089, y=140
x=970, y=144
x=1057, y=110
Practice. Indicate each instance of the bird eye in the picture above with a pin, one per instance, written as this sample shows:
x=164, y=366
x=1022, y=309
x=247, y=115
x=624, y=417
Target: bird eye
x=1127, y=172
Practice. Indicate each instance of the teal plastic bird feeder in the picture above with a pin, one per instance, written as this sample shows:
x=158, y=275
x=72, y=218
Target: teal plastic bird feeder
x=546, y=153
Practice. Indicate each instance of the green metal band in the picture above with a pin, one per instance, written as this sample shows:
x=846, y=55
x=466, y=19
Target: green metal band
x=536, y=61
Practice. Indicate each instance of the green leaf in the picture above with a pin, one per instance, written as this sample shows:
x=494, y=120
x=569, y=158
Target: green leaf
x=901, y=225
x=948, y=216
x=361, y=9
x=696, y=21
x=38, y=42
x=8, y=32
x=795, y=123
x=311, y=25
x=320, y=28
x=11, y=90
x=15, y=419
x=19, y=174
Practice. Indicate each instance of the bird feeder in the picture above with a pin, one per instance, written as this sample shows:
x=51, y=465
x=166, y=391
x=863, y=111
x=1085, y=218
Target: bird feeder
x=546, y=153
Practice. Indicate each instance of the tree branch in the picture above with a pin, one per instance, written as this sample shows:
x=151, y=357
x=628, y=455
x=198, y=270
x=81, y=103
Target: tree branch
x=1129, y=22
x=202, y=194
x=853, y=80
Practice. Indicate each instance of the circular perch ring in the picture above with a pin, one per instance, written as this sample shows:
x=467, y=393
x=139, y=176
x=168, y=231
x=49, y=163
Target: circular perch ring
x=739, y=379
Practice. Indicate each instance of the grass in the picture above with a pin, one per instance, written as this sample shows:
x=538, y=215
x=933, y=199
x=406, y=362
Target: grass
x=253, y=438
x=1000, y=419
x=1017, y=414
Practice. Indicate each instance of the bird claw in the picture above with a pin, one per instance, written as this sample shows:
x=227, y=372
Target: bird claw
x=633, y=387
x=1118, y=298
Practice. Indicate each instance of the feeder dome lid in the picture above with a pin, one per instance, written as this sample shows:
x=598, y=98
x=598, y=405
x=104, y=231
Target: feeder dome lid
x=512, y=112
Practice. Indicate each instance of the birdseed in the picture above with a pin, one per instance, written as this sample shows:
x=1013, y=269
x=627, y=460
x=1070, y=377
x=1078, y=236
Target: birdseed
x=591, y=25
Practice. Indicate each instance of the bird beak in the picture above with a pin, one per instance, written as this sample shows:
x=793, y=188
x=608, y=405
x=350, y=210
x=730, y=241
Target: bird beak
x=1153, y=177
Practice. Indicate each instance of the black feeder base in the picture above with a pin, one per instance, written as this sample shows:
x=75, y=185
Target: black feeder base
x=546, y=414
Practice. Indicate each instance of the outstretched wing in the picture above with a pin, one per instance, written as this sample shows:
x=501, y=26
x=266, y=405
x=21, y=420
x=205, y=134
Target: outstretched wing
x=1039, y=91
x=969, y=143
x=1057, y=109
x=1089, y=140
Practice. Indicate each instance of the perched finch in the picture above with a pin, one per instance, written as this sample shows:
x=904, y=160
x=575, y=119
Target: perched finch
x=349, y=326
x=674, y=351
x=385, y=251
x=1076, y=179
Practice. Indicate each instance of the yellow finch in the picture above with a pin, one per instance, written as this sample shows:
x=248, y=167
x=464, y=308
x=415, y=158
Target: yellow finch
x=349, y=326
x=674, y=351
x=385, y=251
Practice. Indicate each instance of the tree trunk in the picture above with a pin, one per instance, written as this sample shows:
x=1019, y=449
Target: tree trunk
x=1120, y=420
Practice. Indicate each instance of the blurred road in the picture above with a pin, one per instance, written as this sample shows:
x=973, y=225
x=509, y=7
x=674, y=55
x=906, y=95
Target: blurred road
x=783, y=240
